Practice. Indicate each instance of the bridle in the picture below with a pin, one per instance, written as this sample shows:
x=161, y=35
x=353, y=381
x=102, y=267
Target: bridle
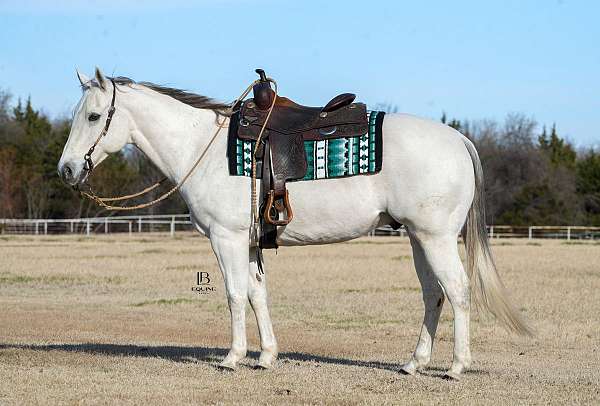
x=89, y=164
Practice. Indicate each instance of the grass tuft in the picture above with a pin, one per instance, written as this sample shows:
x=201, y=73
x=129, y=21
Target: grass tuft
x=162, y=302
x=154, y=251
x=581, y=243
x=8, y=278
x=184, y=268
x=402, y=258
x=383, y=290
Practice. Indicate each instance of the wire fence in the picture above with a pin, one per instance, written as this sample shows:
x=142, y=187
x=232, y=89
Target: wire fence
x=173, y=223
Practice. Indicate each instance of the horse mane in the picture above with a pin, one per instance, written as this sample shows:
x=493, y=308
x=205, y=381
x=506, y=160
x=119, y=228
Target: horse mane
x=191, y=99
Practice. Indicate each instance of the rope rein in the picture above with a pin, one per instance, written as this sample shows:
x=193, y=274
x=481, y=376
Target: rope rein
x=104, y=202
x=101, y=201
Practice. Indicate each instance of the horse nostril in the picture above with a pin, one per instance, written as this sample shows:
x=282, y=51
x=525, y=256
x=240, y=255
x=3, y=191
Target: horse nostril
x=67, y=172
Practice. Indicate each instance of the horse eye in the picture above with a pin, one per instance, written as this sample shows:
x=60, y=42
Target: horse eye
x=93, y=116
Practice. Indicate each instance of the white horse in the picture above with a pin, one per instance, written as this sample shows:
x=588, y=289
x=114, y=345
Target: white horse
x=431, y=181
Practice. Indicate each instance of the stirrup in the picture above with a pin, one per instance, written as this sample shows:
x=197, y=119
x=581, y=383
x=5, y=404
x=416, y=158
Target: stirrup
x=271, y=205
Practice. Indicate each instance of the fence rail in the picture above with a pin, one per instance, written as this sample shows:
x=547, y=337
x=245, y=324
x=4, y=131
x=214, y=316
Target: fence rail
x=172, y=223
x=95, y=225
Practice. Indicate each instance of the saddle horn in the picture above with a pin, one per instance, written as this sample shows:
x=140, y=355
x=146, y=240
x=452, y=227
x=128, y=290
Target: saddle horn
x=263, y=94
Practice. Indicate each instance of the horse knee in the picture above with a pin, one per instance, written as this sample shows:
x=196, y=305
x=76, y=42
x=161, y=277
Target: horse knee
x=236, y=301
x=257, y=298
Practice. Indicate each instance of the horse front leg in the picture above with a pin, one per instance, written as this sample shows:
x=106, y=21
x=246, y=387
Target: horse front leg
x=257, y=293
x=231, y=250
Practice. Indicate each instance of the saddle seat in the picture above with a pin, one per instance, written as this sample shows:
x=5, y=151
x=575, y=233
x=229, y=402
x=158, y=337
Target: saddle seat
x=338, y=118
x=281, y=150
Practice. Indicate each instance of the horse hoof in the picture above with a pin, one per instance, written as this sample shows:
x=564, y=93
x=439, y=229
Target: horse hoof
x=452, y=376
x=226, y=366
x=408, y=369
x=266, y=359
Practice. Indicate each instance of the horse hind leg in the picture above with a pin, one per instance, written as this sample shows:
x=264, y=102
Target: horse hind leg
x=441, y=254
x=433, y=300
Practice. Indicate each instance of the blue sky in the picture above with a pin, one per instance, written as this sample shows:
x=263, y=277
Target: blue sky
x=472, y=59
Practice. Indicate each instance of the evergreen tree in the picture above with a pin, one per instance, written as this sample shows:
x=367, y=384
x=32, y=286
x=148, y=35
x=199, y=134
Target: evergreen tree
x=588, y=185
x=30, y=147
x=454, y=123
x=559, y=151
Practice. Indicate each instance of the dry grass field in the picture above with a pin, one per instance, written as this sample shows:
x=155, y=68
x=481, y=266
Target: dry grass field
x=114, y=320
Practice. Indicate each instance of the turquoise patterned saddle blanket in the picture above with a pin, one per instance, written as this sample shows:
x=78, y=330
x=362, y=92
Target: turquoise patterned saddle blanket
x=333, y=158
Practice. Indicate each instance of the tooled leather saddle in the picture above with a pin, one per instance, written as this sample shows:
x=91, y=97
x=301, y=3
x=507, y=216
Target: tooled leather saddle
x=281, y=156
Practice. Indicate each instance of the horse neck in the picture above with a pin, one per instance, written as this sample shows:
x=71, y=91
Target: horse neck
x=170, y=133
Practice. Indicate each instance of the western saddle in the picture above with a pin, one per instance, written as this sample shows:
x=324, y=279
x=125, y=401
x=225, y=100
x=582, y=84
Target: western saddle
x=280, y=154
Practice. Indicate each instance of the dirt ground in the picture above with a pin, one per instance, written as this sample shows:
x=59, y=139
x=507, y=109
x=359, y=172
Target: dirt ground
x=114, y=320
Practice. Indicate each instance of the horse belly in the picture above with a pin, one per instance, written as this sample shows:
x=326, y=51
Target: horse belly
x=333, y=210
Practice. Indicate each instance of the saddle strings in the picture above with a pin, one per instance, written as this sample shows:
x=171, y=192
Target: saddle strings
x=254, y=199
x=103, y=201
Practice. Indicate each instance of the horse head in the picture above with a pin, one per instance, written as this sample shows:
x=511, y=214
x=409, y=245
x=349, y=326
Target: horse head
x=99, y=128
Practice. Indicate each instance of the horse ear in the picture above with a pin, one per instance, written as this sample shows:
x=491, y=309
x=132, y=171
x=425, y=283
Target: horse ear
x=84, y=80
x=100, y=78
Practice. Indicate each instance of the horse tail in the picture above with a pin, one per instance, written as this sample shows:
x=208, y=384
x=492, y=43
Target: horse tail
x=487, y=290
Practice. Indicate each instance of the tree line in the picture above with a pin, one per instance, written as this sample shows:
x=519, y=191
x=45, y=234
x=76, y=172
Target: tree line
x=534, y=177
x=531, y=176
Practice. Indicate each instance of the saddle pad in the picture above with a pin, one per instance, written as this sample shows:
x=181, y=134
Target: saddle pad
x=333, y=158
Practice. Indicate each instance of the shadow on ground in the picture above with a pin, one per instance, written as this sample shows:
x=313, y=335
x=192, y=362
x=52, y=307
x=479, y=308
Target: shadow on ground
x=213, y=355
x=190, y=354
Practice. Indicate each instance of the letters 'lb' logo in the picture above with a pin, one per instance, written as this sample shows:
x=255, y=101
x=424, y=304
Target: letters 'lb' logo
x=203, y=278
x=203, y=284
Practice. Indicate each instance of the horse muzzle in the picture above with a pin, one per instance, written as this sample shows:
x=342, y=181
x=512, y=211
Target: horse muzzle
x=71, y=173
